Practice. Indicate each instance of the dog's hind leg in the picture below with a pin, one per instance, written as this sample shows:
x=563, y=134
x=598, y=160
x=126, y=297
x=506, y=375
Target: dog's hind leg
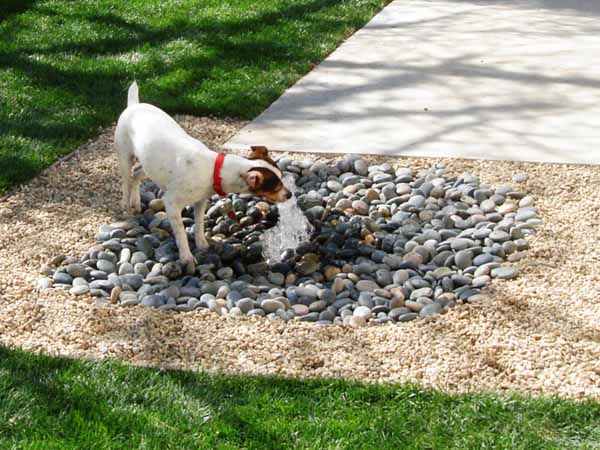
x=125, y=164
x=137, y=175
x=125, y=160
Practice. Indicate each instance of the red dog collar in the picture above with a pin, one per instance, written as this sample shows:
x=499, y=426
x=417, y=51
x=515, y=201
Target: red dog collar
x=218, y=188
x=217, y=174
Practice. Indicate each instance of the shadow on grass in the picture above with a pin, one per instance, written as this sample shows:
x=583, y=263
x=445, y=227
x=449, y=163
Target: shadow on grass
x=109, y=405
x=12, y=7
x=72, y=77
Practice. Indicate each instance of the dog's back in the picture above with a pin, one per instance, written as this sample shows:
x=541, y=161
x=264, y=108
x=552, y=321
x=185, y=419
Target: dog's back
x=148, y=134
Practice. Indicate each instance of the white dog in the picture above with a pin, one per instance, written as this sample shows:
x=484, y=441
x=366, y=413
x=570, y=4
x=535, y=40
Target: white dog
x=185, y=169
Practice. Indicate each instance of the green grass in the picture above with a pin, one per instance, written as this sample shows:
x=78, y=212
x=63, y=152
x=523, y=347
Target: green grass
x=48, y=403
x=65, y=65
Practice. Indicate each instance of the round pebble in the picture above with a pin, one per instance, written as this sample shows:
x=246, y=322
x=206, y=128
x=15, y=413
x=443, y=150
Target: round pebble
x=505, y=272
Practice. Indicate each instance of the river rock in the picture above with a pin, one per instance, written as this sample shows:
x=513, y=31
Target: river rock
x=386, y=245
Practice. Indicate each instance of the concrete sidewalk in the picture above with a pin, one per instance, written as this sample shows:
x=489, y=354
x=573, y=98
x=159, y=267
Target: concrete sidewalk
x=490, y=79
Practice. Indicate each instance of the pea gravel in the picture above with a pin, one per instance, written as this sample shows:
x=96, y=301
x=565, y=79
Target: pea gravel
x=537, y=333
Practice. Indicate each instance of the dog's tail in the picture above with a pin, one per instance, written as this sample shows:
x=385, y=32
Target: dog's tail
x=133, y=95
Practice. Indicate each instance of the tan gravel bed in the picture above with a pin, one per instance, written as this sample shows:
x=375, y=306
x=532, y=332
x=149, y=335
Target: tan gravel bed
x=539, y=333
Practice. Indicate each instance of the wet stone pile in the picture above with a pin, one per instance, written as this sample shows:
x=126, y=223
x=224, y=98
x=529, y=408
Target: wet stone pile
x=388, y=245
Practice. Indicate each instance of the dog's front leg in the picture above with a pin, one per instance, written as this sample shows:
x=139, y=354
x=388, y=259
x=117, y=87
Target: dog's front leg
x=174, y=215
x=199, y=210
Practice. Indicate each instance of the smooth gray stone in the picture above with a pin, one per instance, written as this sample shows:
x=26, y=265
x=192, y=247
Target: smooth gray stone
x=338, y=304
x=225, y=273
x=458, y=244
x=141, y=269
x=521, y=244
x=138, y=257
x=207, y=298
x=363, y=311
x=463, y=259
x=105, y=285
x=76, y=270
x=505, y=272
x=190, y=291
x=133, y=280
x=407, y=317
x=480, y=281
x=98, y=293
x=125, y=268
x=364, y=268
x=525, y=214
x=154, y=300
x=245, y=305
x=183, y=308
x=223, y=292
x=113, y=245
x=442, y=272
x=384, y=277
x=327, y=295
x=378, y=309
x=307, y=291
x=430, y=310
x=62, y=277
x=105, y=266
x=509, y=247
x=366, y=285
x=310, y=317
x=130, y=302
x=327, y=314
x=484, y=258
x=423, y=292
x=168, y=307
x=276, y=278
x=400, y=276
x=80, y=289
x=125, y=256
x=366, y=300
x=361, y=167
x=395, y=313
x=317, y=306
x=499, y=236
x=192, y=302
x=271, y=305
x=256, y=312
x=80, y=281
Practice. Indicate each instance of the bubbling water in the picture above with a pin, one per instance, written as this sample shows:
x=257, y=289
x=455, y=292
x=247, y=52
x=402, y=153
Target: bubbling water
x=292, y=229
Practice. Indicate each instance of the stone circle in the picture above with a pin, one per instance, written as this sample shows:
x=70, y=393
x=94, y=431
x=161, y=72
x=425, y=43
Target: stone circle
x=389, y=245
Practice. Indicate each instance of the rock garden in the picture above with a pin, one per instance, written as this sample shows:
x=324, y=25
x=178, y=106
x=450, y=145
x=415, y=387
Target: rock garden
x=383, y=245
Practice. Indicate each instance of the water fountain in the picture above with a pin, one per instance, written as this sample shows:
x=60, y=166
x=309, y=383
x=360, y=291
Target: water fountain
x=292, y=229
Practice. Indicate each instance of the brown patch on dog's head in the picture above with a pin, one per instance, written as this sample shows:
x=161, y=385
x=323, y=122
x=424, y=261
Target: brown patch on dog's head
x=261, y=152
x=266, y=183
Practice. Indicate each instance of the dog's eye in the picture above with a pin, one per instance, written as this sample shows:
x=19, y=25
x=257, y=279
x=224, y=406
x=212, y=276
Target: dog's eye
x=271, y=184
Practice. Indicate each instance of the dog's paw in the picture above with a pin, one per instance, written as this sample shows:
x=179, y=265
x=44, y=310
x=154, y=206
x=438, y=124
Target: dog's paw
x=189, y=262
x=202, y=243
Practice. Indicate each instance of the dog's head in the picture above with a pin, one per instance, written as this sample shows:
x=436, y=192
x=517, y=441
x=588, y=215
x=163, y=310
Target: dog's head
x=265, y=178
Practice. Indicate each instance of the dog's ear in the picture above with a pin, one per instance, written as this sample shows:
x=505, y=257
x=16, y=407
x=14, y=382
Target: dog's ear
x=254, y=179
x=258, y=152
x=261, y=152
